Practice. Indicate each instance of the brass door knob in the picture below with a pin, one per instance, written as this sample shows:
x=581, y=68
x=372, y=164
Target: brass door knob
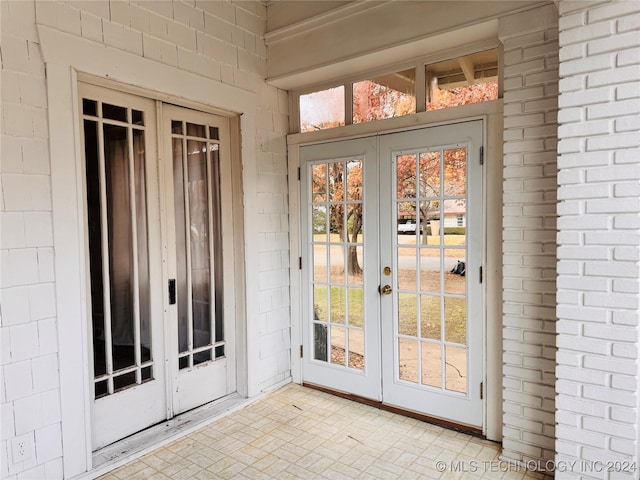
x=385, y=290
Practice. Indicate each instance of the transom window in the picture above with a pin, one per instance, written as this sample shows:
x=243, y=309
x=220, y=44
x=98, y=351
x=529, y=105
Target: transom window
x=428, y=86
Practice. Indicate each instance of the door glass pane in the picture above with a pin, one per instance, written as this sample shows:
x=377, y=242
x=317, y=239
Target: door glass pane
x=356, y=348
x=115, y=157
x=407, y=258
x=407, y=314
x=320, y=260
x=430, y=271
x=356, y=307
x=114, y=112
x=429, y=182
x=432, y=364
x=120, y=231
x=92, y=167
x=142, y=237
x=198, y=233
x=195, y=130
x=319, y=183
x=320, y=302
x=456, y=368
x=338, y=344
x=455, y=276
x=182, y=289
x=455, y=171
x=337, y=305
x=356, y=261
x=408, y=356
x=197, y=191
x=455, y=320
x=432, y=305
x=336, y=228
x=430, y=317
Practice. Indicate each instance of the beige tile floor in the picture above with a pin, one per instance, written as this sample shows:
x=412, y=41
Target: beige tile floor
x=297, y=432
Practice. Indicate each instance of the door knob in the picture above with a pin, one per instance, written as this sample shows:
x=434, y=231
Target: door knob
x=385, y=290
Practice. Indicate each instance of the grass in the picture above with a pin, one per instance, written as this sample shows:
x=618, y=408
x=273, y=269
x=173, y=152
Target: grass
x=455, y=325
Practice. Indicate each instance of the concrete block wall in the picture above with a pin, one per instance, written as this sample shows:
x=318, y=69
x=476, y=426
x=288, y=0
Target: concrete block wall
x=530, y=41
x=221, y=40
x=598, y=328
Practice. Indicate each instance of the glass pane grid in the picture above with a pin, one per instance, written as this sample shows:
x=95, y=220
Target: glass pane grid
x=337, y=244
x=198, y=243
x=431, y=326
x=117, y=223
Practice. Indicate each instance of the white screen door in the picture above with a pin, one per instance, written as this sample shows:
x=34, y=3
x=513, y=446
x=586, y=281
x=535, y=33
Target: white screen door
x=197, y=159
x=160, y=260
x=124, y=245
x=419, y=290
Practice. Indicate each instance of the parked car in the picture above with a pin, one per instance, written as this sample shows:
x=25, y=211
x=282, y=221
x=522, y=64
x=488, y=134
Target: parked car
x=407, y=228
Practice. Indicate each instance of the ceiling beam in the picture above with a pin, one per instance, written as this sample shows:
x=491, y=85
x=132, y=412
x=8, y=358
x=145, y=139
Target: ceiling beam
x=467, y=69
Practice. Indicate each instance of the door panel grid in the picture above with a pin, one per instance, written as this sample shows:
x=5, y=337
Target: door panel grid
x=337, y=270
x=431, y=295
x=197, y=211
x=114, y=140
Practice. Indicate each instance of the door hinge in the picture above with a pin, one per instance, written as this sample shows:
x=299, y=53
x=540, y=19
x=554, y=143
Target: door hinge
x=481, y=276
x=301, y=352
x=481, y=390
x=299, y=263
x=299, y=175
x=482, y=155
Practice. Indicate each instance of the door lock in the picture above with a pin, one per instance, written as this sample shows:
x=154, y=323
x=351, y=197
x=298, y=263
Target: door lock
x=385, y=290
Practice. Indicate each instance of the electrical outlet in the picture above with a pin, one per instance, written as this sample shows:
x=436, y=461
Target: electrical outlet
x=22, y=448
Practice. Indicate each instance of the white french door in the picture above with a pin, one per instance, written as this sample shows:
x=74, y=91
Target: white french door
x=161, y=321
x=340, y=266
x=392, y=293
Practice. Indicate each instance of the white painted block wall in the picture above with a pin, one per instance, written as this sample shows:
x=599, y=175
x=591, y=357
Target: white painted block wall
x=529, y=233
x=220, y=40
x=598, y=394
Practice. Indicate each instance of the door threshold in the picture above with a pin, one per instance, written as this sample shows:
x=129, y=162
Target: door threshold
x=448, y=424
x=135, y=446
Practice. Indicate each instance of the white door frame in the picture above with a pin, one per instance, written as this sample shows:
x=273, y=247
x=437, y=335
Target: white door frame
x=68, y=58
x=491, y=114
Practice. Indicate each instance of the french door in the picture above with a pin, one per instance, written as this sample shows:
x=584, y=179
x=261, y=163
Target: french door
x=161, y=323
x=394, y=313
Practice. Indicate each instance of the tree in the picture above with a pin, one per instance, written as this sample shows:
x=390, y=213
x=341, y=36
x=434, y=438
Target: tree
x=342, y=189
x=419, y=183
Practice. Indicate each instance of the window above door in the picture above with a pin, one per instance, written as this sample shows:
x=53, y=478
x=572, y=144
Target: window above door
x=426, y=85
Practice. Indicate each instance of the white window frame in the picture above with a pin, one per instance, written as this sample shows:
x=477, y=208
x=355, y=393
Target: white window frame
x=420, y=65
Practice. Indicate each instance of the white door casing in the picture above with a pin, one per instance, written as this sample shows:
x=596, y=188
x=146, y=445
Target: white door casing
x=383, y=379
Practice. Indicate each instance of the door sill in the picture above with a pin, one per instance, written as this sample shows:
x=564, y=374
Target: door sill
x=117, y=454
x=458, y=427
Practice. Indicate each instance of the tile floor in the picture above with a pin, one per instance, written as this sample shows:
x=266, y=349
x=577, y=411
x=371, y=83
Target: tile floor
x=297, y=432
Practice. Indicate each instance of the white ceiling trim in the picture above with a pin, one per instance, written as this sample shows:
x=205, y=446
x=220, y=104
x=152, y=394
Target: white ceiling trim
x=485, y=33
x=321, y=21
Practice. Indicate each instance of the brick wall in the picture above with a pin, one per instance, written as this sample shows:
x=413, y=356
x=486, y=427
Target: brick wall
x=599, y=236
x=219, y=40
x=529, y=232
